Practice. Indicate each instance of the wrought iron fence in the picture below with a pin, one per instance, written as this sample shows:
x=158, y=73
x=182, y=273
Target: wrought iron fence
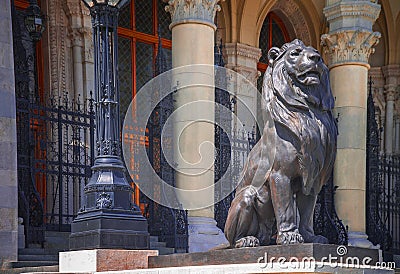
x=55, y=144
x=383, y=189
x=169, y=224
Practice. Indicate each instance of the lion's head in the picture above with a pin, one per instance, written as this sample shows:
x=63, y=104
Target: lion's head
x=298, y=75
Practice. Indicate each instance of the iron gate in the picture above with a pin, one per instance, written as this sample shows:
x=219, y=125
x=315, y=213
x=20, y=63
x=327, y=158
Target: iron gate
x=55, y=147
x=383, y=189
x=169, y=224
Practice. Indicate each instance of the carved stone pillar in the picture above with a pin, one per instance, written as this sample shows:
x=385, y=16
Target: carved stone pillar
x=88, y=61
x=348, y=45
x=193, y=43
x=243, y=59
x=389, y=92
x=397, y=133
x=391, y=74
x=77, y=46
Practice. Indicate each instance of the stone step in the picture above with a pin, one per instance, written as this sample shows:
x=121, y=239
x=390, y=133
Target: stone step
x=153, y=238
x=154, y=245
x=30, y=257
x=32, y=264
x=165, y=250
x=38, y=251
x=52, y=268
x=31, y=251
x=57, y=241
x=180, y=250
x=50, y=233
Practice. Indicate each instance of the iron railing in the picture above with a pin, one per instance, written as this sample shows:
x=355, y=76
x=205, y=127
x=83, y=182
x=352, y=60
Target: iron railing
x=382, y=190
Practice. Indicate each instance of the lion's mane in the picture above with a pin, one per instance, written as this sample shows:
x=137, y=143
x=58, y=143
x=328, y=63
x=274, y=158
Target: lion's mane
x=306, y=112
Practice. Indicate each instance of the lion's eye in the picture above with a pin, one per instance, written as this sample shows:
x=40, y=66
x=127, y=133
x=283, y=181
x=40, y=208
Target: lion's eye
x=295, y=52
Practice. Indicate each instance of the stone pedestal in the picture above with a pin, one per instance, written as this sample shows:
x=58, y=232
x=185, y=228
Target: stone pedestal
x=203, y=234
x=104, y=260
x=107, y=229
x=347, y=46
x=324, y=253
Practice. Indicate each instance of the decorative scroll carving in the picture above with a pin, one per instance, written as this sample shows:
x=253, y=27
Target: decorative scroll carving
x=297, y=19
x=104, y=201
x=349, y=46
x=192, y=10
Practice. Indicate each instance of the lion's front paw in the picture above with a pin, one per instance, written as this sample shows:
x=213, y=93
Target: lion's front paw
x=249, y=241
x=290, y=237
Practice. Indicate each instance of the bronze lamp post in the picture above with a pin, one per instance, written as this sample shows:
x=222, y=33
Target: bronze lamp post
x=108, y=217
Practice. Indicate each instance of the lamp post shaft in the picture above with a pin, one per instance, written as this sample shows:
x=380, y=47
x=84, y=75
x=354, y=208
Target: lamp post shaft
x=108, y=217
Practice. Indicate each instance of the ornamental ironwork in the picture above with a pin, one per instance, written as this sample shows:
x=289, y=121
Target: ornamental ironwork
x=383, y=188
x=169, y=224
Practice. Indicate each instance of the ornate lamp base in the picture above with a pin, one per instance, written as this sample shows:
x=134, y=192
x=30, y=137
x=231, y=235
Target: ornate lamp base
x=108, y=218
x=109, y=229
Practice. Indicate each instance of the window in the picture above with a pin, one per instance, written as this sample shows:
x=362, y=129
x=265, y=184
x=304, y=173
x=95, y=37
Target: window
x=140, y=25
x=273, y=34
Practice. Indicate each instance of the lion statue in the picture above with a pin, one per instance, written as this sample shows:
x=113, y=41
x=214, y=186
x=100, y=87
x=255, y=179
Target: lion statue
x=299, y=125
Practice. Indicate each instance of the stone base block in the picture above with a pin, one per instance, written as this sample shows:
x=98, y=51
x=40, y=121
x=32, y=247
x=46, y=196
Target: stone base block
x=360, y=239
x=204, y=234
x=325, y=253
x=104, y=260
x=258, y=268
x=109, y=229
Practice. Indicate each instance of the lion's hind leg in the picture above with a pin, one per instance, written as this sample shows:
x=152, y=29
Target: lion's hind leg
x=242, y=225
x=306, y=204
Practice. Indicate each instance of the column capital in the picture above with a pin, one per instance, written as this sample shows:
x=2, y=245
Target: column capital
x=243, y=59
x=351, y=46
x=76, y=36
x=192, y=11
x=391, y=71
x=243, y=50
x=390, y=92
x=345, y=15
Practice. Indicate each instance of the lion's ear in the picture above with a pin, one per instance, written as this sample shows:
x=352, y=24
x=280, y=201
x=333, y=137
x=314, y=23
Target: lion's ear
x=273, y=53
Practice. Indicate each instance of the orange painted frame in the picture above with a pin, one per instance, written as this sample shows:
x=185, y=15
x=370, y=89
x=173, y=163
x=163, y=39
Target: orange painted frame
x=136, y=36
x=273, y=17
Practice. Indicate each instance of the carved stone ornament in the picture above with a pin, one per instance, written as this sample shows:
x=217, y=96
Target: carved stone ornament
x=243, y=59
x=198, y=11
x=349, y=46
x=104, y=201
x=390, y=92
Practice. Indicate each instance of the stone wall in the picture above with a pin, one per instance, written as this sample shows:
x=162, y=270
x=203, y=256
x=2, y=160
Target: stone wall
x=8, y=142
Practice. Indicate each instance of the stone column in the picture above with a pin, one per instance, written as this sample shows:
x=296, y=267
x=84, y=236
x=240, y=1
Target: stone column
x=391, y=74
x=348, y=45
x=389, y=92
x=77, y=45
x=8, y=143
x=88, y=61
x=397, y=133
x=193, y=43
x=243, y=59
